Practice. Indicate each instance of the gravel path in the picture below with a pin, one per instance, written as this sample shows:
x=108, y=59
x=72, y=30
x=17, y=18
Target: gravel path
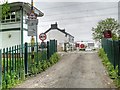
x=74, y=70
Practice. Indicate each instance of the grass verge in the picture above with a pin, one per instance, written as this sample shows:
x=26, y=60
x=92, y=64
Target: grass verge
x=113, y=73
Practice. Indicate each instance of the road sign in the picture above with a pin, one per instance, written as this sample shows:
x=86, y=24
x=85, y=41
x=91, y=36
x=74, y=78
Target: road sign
x=107, y=34
x=31, y=22
x=32, y=27
x=32, y=30
x=42, y=36
x=32, y=16
x=82, y=46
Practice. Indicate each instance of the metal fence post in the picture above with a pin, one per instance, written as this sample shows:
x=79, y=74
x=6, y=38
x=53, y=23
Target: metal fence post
x=26, y=59
x=102, y=43
x=114, y=54
x=10, y=61
x=117, y=52
x=50, y=48
x=0, y=69
x=13, y=59
x=48, y=52
x=119, y=60
x=56, y=45
x=7, y=59
x=54, y=49
x=37, y=53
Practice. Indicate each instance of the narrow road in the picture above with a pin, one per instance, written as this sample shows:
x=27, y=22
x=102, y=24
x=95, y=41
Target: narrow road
x=74, y=70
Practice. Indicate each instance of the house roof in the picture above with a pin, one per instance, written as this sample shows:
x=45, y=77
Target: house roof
x=54, y=26
x=26, y=7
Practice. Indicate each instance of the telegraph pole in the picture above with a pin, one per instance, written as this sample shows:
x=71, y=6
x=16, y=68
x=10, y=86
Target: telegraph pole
x=32, y=22
x=32, y=38
x=32, y=6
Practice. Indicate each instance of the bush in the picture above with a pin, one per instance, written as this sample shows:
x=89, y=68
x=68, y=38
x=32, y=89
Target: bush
x=10, y=80
x=44, y=65
x=54, y=58
x=39, y=67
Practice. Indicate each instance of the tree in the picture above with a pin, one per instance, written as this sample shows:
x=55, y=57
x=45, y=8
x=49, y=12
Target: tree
x=104, y=25
x=5, y=10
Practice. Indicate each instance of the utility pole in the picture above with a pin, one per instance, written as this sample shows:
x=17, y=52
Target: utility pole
x=32, y=22
x=32, y=38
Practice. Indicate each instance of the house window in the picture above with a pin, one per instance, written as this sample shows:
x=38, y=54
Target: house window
x=13, y=17
x=7, y=19
x=3, y=20
x=17, y=15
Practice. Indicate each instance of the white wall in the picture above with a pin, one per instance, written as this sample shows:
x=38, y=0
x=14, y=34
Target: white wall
x=11, y=25
x=61, y=39
x=27, y=38
x=15, y=35
x=15, y=38
x=57, y=35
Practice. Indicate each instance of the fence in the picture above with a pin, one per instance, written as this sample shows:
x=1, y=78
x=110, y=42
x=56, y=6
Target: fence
x=112, y=49
x=16, y=63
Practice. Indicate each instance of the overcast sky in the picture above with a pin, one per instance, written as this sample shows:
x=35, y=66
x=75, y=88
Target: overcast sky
x=77, y=17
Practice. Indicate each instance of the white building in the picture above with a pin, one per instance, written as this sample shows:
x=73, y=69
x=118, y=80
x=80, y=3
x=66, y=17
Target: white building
x=13, y=29
x=65, y=41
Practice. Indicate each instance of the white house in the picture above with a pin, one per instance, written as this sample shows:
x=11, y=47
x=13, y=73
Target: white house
x=13, y=29
x=65, y=41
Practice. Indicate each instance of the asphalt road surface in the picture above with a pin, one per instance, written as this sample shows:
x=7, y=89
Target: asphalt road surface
x=74, y=70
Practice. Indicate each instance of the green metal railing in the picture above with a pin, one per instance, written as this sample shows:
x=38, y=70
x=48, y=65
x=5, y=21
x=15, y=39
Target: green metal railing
x=12, y=65
x=16, y=62
x=112, y=49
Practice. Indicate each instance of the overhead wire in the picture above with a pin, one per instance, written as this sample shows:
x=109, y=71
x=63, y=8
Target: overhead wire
x=79, y=11
x=78, y=17
x=71, y=12
x=79, y=22
x=61, y=6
